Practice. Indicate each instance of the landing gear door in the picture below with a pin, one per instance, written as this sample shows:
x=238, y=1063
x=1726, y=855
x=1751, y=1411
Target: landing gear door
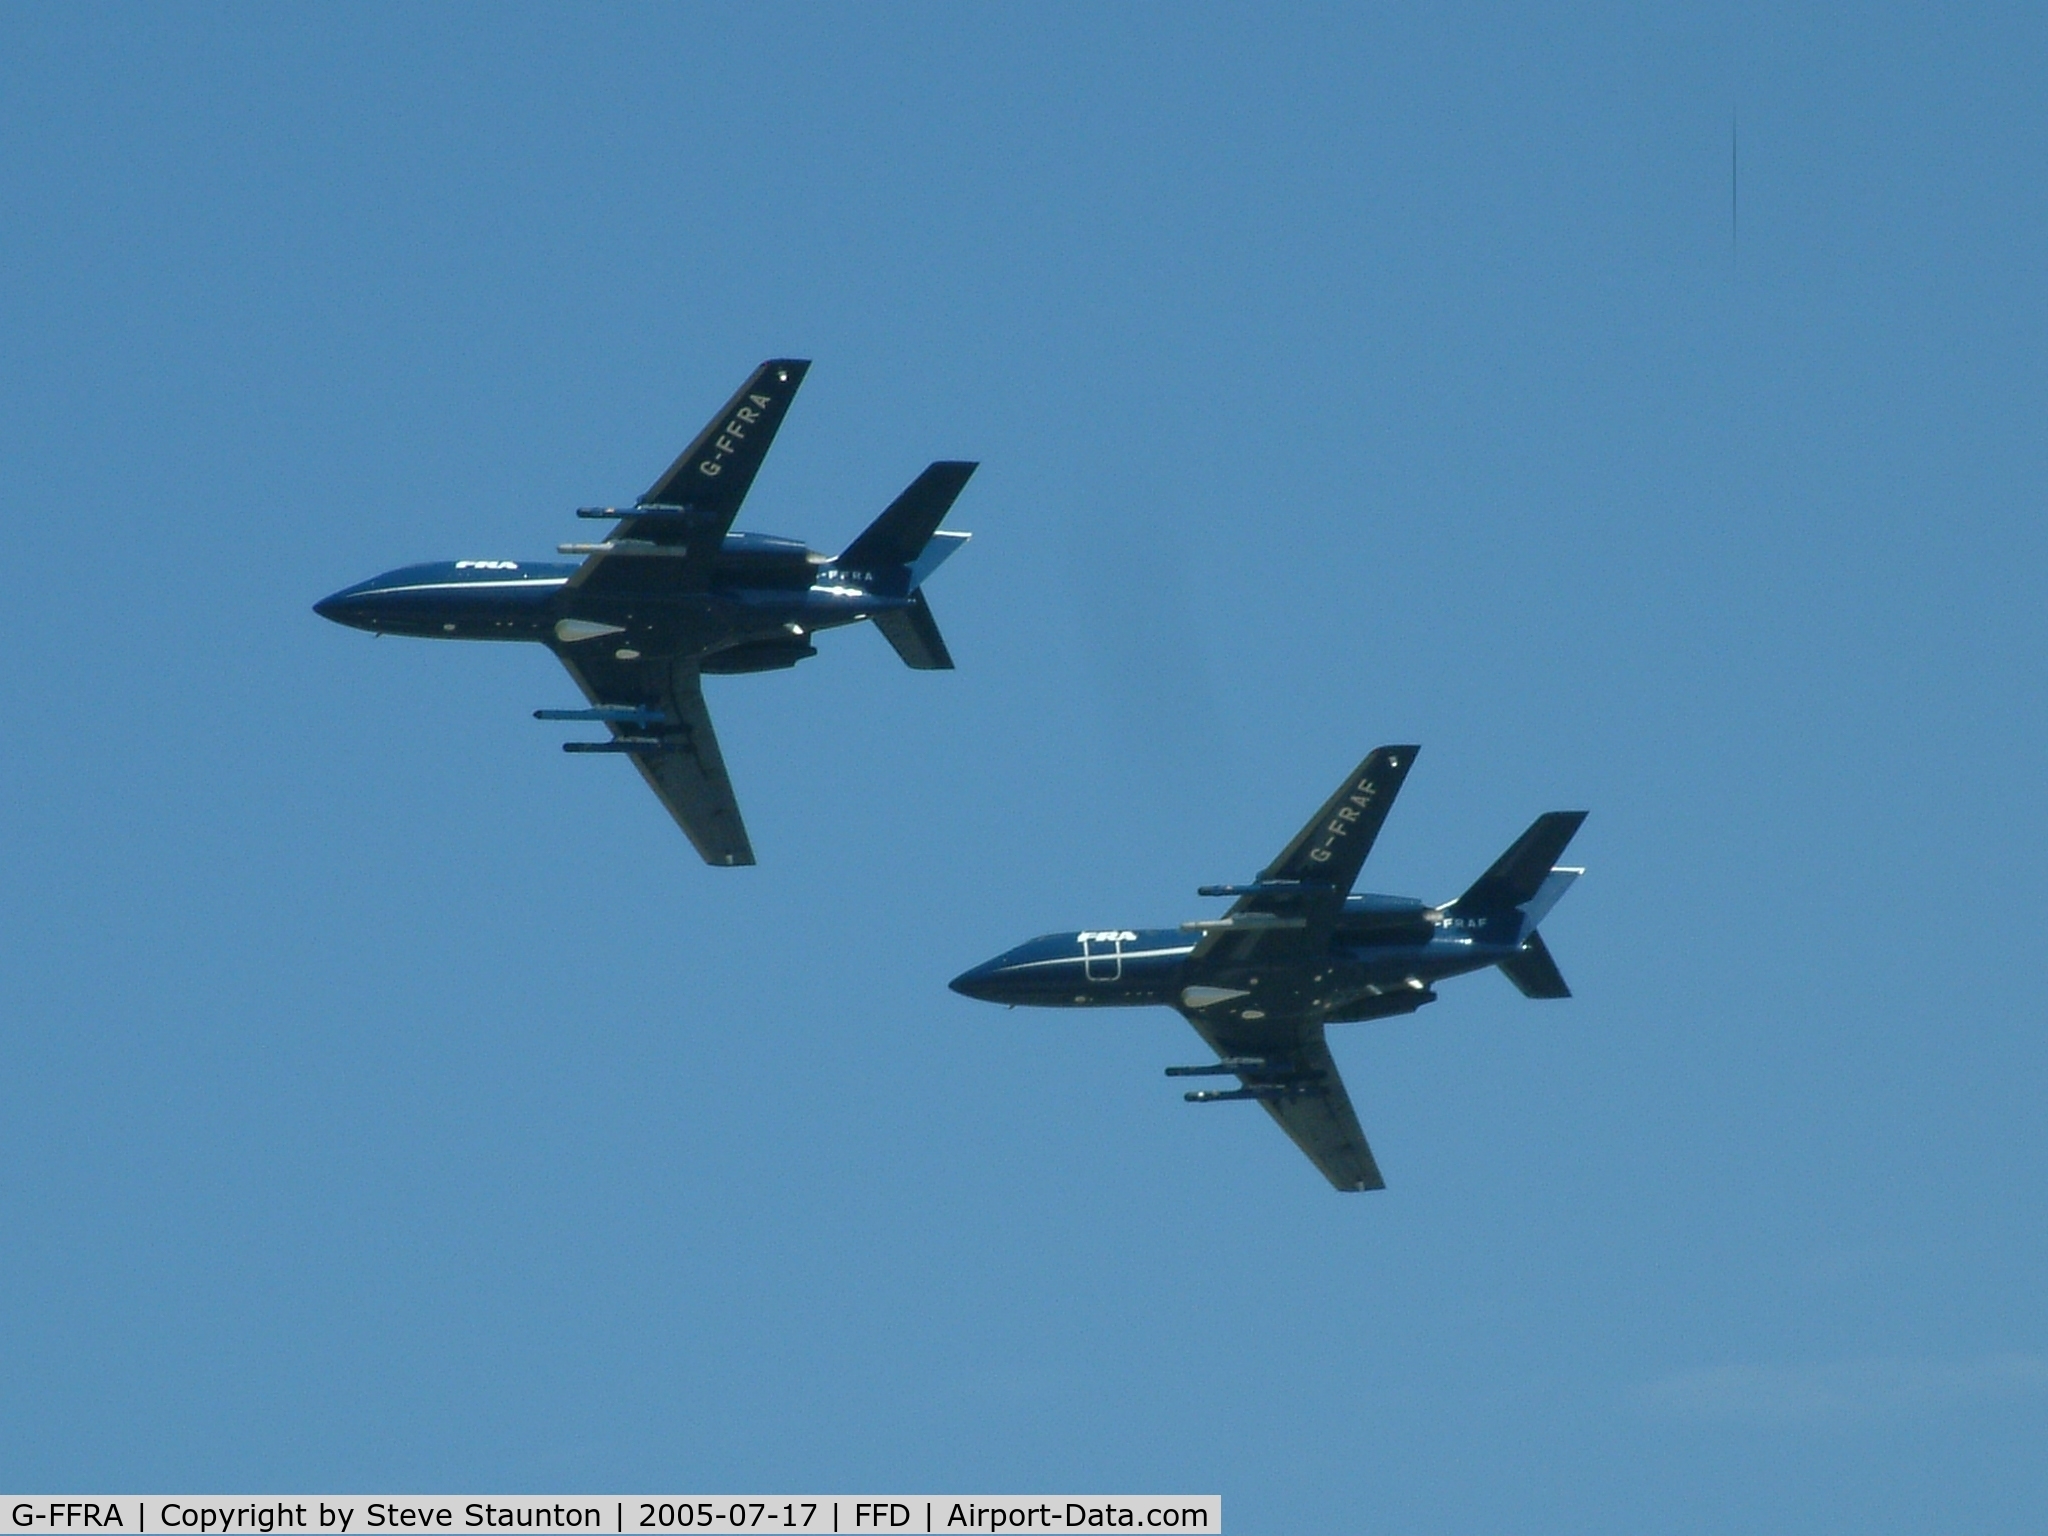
x=1102, y=956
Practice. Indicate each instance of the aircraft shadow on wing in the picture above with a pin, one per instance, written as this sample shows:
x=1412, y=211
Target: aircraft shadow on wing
x=1299, y=950
x=671, y=593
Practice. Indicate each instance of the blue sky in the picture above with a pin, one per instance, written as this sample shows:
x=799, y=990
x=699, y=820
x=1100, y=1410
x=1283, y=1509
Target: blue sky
x=394, y=1103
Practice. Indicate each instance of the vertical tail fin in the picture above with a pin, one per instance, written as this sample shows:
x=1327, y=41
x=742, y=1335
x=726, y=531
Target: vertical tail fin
x=1518, y=874
x=906, y=538
x=1526, y=880
x=899, y=536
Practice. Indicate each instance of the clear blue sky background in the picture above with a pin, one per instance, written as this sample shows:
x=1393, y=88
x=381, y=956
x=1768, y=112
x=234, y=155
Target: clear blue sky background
x=390, y=1102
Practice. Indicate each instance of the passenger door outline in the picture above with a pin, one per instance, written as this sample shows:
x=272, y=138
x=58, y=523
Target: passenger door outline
x=1102, y=957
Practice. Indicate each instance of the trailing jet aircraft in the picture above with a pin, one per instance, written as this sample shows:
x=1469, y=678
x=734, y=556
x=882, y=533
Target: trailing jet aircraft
x=1297, y=951
x=672, y=594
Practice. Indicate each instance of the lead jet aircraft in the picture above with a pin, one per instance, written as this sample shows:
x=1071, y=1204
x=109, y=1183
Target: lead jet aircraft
x=1298, y=951
x=672, y=594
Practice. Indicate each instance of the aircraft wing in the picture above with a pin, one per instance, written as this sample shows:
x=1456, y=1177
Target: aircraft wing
x=669, y=540
x=1322, y=1122
x=685, y=770
x=1301, y=893
x=1312, y=1106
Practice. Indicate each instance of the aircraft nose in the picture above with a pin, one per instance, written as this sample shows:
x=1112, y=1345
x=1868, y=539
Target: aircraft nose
x=350, y=606
x=981, y=982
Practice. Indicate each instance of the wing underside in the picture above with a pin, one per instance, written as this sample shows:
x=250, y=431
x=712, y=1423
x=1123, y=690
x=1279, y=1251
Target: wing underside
x=678, y=754
x=669, y=541
x=1299, y=1086
x=1297, y=897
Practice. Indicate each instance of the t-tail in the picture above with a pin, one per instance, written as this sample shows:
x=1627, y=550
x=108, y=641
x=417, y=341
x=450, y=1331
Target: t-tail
x=906, y=543
x=1526, y=882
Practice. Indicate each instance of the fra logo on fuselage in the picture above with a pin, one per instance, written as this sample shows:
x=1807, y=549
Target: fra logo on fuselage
x=1355, y=805
x=732, y=434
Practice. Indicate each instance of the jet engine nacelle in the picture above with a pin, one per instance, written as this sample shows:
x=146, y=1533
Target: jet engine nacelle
x=759, y=656
x=1395, y=1000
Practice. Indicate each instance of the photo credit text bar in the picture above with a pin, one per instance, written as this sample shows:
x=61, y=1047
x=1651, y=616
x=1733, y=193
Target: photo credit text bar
x=835, y=1514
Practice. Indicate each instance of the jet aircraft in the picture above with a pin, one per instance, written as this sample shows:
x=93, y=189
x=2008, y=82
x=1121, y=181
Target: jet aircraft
x=1298, y=951
x=672, y=594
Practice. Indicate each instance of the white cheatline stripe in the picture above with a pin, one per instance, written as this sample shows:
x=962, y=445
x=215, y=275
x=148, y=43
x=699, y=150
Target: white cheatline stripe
x=1129, y=954
x=446, y=586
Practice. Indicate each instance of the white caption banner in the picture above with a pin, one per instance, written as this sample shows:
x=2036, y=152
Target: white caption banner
x=671, y=1513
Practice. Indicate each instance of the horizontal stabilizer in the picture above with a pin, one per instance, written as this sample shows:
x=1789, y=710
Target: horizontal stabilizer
x=940, y=545
x=1531, y=969
x=1548, y=894
x=915, y=634
x=1519, y=873
x=899, y=535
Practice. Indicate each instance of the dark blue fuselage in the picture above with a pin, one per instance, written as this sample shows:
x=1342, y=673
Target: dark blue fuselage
x=765, y=596
x=1382, y=958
